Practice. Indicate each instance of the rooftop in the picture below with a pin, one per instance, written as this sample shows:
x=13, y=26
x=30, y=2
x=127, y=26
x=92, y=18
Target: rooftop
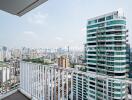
x=119, y=13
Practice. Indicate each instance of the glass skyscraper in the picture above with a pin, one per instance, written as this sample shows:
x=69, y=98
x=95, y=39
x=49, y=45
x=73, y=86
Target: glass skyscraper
x=106, y=55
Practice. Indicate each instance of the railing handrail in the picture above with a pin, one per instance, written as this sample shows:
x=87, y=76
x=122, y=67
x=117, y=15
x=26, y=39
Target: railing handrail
x=88, y=73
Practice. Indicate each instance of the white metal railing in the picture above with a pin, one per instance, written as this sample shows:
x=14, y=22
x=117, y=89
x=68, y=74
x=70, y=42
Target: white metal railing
x=48, y=82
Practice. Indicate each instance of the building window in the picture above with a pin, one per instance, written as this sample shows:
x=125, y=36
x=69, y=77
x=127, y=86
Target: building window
x=101, y=19
x=109, y=17
x=92, y=22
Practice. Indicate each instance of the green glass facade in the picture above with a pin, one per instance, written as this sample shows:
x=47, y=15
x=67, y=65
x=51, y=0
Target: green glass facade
x=106, y=55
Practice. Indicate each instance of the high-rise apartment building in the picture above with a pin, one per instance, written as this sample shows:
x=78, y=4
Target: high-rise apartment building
x=63, y=61
x=106, y=55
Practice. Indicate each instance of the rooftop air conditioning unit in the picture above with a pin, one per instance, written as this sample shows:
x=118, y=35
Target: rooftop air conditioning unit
x=19, y=7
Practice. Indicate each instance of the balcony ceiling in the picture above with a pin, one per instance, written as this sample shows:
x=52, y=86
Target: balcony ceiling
x=19, y=7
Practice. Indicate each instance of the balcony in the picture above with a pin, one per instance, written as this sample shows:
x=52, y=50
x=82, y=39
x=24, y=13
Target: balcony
x=49, y=82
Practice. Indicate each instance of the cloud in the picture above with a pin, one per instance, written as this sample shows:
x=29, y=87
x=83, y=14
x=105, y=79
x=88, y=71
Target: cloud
x=31, y=34
x=38, y=18
x=70, y=41
x=59, y=38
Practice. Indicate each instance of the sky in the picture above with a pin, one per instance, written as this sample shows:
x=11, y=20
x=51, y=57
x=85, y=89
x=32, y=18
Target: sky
x=57, y=23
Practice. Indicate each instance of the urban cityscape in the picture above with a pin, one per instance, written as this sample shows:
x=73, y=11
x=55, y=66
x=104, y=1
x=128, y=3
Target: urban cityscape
x=95, y=66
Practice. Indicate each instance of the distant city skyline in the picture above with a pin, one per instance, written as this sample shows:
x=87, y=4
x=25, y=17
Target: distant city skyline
x=57, y=24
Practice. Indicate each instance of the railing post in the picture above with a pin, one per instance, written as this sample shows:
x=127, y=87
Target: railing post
x=58, y=84
x=37, y=81
x=32, y=79
x=62, y=84
x=48, y=84
x=45, y=83
x=28, y=78
x=51, y=83
x=39, y=85
x=71, y=85
x=25, y=77
x=21, y=80
x=43, y=73
x=54, y=84
x=66, y=85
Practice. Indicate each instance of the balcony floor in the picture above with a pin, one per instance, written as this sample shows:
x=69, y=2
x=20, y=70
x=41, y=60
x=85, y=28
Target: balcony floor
x=16, y=96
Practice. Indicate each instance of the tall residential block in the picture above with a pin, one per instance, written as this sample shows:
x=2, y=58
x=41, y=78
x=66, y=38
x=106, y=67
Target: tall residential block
x=106, y=57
